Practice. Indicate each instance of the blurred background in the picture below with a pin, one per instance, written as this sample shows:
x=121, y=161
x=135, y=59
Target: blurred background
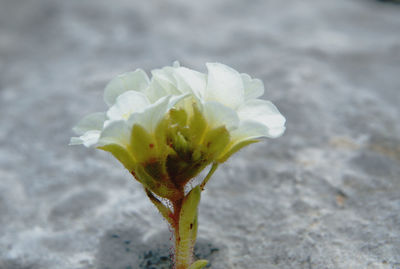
x=325, y=195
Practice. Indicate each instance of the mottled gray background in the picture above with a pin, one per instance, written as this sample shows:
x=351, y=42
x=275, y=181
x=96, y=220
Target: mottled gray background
x=325, y=195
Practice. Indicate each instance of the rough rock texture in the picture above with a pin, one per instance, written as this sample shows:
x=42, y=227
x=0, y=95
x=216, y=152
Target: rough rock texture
x=325, y=195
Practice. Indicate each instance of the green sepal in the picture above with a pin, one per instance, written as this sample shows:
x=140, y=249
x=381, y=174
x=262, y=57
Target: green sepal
x=197, y=125
x=160, y=135
x=178, y=116
x=215, y=141
x=165, y=211
x=143, y=144
x=198, y=264
x=121, y=154
x=163, y=149
x=163, y=188
x=235, y=148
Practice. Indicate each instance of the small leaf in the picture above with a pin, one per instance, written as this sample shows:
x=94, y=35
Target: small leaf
x=194, y=229
x=121, y=154
x=165, y=211
x=198, y=264
x=189, y=212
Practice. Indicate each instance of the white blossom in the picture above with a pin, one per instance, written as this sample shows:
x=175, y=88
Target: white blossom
x=223, y=96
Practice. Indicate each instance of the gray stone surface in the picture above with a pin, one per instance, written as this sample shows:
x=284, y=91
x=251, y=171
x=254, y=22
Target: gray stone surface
x=325, y=195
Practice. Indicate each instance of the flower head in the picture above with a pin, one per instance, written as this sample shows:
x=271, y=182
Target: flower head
x=166, y=129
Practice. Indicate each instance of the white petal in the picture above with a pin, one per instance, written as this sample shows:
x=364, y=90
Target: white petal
x=217, y=114
x=249, y=129
x=155, y=91
x=175, y=99
x=132, y=81
x=90, y=122
x=253, y=88
x=191, y=81
x=155, y=112
x=88, y=139
x=166, y=80
x=263, y=112
x=117, y=132
x=224, y=85
x=127, y=103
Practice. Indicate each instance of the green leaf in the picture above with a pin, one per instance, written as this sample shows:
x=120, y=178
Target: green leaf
x=235, y=148
x=193, y=234
x=189, y=211
x=143, y=144
x=189, y=208
x=121, y=154
x=198, y=264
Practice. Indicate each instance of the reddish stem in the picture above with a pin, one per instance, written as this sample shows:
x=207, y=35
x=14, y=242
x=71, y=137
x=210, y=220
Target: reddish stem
x=179, y=263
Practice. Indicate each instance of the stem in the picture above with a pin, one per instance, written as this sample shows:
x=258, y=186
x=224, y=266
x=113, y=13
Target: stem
x=185, y=228
x=183, y=246
x=183, y=221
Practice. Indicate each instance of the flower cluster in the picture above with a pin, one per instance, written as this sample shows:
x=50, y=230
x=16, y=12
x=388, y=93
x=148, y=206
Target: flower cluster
x=166, y=129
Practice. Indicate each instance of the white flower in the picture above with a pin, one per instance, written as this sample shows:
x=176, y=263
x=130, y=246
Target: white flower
x=227, y=98
x=180, y=116
x=129, y=103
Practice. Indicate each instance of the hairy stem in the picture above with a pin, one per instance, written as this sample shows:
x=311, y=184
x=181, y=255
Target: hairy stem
x=183, y=220
x=183, y=245
x=185, y=228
